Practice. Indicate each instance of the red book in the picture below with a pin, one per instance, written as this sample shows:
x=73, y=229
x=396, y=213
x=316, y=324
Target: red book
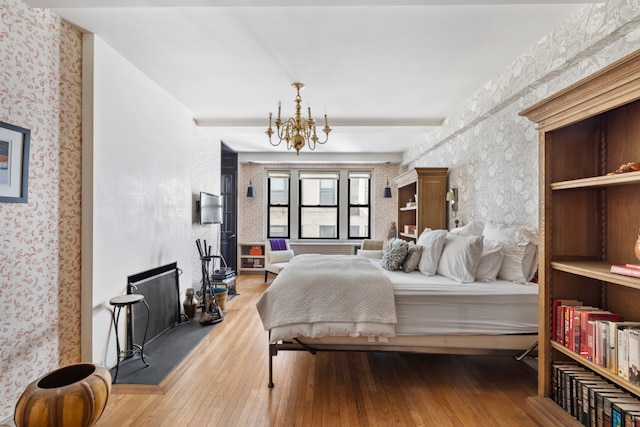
x=557, y=318
x=625, y=271
x=636, y=266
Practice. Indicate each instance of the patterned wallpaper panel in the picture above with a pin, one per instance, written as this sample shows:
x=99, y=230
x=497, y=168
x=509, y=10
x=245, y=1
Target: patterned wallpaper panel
x=491, y=151
x=39, y=240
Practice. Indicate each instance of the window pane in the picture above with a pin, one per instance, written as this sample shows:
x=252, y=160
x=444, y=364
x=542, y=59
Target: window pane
x=279, y=191
x=278, y=221
x=318, y=223
x=323, y=192
x=358, y=191
x=358, y=222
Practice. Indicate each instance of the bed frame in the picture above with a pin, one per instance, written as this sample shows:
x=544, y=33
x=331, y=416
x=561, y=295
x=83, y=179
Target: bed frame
x=516, y=345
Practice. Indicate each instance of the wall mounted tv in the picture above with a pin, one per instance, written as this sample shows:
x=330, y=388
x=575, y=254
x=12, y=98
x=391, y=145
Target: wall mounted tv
x=210, y=208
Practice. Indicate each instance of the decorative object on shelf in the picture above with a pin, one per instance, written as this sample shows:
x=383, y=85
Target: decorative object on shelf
x=393, y=231
x=250, y=189
x=627, y=167
x=636, y=248
x=452, y=198
x=72, y=396
x=297, y=131
x=190, y=304
x=410, y=229
x=255, y=251
x=387, y=190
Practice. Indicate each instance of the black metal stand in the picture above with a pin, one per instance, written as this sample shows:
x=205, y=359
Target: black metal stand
x=119, y=303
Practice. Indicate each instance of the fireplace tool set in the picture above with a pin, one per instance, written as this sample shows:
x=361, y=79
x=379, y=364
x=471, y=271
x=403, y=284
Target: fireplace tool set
x=210, y=310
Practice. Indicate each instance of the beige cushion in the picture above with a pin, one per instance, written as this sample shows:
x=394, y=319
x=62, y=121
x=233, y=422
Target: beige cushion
x=371, y=245
x=413, y=258
x=280, y=256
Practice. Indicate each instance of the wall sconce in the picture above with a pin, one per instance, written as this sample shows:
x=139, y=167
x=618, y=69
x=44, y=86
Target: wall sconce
x=452, y=198
x=387, y=190
x=250, y=189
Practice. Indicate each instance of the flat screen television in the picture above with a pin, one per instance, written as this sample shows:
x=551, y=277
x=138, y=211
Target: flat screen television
x=210, y=208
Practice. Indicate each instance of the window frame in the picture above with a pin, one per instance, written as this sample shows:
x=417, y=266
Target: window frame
x=329, y=176
x=354, y=175
x=279, y=175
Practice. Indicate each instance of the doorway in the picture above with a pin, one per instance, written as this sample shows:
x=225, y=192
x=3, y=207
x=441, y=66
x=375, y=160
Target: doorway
x=229, y=192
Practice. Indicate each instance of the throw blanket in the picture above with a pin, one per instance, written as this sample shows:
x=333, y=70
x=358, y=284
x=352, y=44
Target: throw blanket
x=331, y=291
x=278, y=244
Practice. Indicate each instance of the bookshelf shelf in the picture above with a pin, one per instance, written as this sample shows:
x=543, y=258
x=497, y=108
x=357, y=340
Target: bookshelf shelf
x=587, y=217
x=630, y=178
x=603, y=372
x=251, y=263
x=598, y=270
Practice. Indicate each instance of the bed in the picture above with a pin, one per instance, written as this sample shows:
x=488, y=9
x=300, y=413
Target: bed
x=419, y=312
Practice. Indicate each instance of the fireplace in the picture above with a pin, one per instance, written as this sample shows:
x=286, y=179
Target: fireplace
x=161, y=290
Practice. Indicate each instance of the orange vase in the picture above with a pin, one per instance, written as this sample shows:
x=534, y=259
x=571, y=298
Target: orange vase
x=636, y=248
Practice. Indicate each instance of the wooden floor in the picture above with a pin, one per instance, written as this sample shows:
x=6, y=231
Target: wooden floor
x=223, y=382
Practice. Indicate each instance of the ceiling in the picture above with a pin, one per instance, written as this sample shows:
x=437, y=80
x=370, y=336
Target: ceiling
x=384, y=71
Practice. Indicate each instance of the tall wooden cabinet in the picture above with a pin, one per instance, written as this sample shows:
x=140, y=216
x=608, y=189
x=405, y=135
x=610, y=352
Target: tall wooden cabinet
x=427, y=187
x=589, y=219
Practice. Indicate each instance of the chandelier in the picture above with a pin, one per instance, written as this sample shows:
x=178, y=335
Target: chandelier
x=297, y=131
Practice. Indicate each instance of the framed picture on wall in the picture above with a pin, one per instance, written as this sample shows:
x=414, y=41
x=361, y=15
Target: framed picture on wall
x=14, y=163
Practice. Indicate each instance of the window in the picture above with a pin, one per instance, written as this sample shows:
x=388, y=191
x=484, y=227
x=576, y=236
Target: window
x=278, y=201
x=319, y=211
x=359, y=220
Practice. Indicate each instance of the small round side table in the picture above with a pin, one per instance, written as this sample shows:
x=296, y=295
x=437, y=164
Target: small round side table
x=119, y=303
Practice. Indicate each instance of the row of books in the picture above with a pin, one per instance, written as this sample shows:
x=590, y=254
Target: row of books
x=251, y=265
x=599, y=336
x=591, y=399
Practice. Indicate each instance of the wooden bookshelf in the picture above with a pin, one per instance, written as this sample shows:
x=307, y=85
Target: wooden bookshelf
x=429, y=186
x=588, y=218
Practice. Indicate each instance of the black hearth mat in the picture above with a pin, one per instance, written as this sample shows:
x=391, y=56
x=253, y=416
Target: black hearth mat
x=162, y=354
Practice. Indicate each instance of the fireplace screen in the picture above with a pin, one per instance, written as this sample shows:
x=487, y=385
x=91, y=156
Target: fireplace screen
x=161, y=290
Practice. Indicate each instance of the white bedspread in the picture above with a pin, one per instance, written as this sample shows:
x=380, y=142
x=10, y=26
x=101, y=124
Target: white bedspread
x=329, y=295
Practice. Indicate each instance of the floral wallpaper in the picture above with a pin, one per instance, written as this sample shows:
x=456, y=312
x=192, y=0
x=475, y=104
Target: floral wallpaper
x=491, y=151
x=70, y=209
x=40, y=85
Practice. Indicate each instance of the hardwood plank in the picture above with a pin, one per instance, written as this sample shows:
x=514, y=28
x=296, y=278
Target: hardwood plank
x=223, y=381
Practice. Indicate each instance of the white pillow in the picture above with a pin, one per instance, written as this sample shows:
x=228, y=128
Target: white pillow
x=280, y=256
x=490, y=261
x=432, y=242
x=460, y=257
x=520, y=251
x=474, y=228
x=369, y=253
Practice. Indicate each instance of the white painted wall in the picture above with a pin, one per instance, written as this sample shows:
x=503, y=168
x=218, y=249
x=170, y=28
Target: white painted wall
x=137, y=180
